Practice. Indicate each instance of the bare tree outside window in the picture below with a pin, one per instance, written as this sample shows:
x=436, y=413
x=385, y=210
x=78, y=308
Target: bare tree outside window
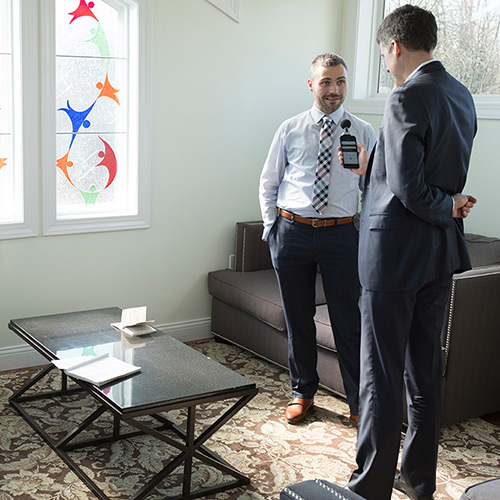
x=468, y=41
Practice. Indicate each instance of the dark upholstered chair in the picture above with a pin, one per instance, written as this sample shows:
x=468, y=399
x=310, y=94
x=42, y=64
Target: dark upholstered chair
x=487, y=490
x=317, y=489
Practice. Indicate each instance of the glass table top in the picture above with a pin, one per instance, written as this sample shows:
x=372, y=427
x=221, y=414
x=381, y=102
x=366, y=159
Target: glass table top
x=170, y=372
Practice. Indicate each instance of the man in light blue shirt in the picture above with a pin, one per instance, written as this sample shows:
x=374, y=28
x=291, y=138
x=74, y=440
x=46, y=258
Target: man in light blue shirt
x=301, y=239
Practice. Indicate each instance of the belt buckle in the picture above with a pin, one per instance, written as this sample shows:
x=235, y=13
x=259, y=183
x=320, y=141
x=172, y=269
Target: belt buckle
x=318, y=222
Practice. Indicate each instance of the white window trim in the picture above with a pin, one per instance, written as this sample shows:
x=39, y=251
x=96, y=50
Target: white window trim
x=362, y=56
x=26, y=128
x=51, y=225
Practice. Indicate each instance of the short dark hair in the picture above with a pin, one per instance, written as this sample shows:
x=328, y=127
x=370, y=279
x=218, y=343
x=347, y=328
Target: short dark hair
x=412, y=26
x=327, y=60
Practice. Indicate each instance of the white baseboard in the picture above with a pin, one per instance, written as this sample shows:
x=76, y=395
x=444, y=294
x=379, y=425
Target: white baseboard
x=22, y=356
x=188, y=330
x=19, y=356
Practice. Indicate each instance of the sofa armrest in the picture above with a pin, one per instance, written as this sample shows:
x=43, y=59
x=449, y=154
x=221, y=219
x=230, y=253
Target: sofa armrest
x=472, y=343
x=473, y=308
x=483, y=250
x=251, y=253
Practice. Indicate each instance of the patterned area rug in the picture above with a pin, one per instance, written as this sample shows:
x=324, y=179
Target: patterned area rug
x=257, y=441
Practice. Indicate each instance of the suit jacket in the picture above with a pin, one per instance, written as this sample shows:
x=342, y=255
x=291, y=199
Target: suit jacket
x=408, y=236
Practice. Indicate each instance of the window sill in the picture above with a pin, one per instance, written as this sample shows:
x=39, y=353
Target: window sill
x=487, y=107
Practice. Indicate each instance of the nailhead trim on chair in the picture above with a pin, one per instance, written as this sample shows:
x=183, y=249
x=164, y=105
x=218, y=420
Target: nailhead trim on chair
x=244, y=249
x=331, y=490
x=293, y=494
x=448, y=329
x=296, y=496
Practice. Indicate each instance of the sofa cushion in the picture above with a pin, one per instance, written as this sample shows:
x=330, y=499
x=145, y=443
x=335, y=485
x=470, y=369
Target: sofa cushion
x=483, y=250
x=324, y=334
x=256, y=293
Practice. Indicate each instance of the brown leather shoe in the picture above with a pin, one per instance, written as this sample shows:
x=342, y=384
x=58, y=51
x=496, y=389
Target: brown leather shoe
x=354, y=420
x=297, y=409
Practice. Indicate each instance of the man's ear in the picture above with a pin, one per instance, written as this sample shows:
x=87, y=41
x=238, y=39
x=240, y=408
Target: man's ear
x=396, y=47
x=310, y=83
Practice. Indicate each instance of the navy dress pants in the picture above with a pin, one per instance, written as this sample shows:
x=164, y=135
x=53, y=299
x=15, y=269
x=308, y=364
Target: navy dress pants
x=297, y=251
x=400, y=346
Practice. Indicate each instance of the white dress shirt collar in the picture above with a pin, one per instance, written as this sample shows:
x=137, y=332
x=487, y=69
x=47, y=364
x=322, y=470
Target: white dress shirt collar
x=317, y=114
x=412, y=74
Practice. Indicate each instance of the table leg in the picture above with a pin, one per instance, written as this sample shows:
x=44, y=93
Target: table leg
x=190, y=447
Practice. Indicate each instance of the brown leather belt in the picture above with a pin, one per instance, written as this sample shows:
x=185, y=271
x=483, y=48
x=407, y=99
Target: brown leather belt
x=334, y=221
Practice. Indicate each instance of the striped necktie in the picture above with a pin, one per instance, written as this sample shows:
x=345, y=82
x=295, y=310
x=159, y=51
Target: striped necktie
x=321, y=182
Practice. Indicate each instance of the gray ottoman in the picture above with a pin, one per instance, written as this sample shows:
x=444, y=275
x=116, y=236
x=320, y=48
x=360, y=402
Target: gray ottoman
x=487, y=490
x=317, y=489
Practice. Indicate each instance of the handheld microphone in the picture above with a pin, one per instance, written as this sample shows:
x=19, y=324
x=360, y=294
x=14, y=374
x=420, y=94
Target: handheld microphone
x=348, y=146
x=345, y=124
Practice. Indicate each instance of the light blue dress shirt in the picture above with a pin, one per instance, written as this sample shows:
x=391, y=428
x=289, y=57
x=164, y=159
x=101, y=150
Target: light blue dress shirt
x=287, y=179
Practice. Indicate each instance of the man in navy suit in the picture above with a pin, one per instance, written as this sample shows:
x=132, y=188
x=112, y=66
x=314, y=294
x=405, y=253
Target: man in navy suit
x=411, y=243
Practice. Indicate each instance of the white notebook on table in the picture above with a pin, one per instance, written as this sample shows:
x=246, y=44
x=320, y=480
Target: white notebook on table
x=97, y=370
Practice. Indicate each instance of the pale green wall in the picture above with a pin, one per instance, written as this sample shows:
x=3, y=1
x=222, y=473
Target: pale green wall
x=220, y=89
x=484, y=180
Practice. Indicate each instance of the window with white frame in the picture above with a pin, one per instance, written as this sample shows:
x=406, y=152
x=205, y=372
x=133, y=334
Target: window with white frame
x=10, y=206
x=18, y=166
x=468, y=45
x=469, y=42
x=96, y=113
x=88, y=84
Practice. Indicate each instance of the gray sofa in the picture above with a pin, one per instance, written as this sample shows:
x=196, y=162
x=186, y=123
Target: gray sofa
x=247, y=311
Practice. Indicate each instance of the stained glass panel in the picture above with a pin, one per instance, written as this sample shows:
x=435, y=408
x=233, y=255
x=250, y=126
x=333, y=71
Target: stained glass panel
x=5, y=94
x=5, y=69
x=9, y=204
x=80, y=90
x=92, y=29
x=91, y=174
x=8, y=193
x=5, y=31
x=91, y=102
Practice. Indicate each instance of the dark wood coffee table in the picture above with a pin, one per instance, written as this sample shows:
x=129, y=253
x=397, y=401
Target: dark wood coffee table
x=173, y=376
